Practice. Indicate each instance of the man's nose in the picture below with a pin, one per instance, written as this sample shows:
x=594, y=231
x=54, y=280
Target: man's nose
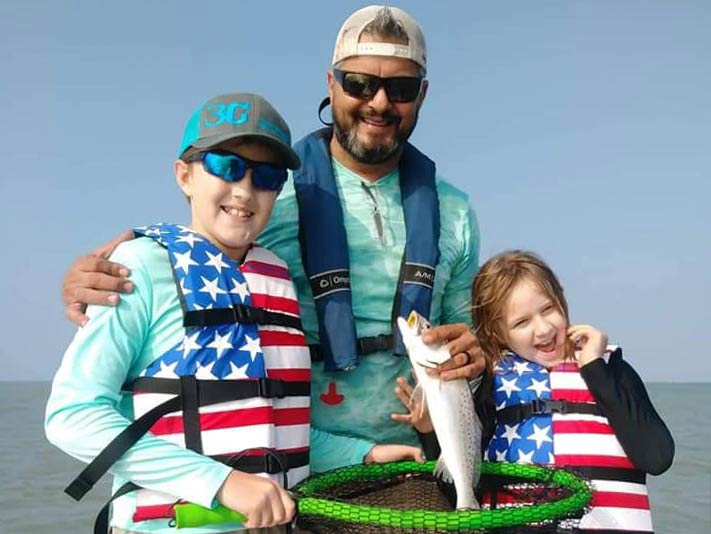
x=380, y=101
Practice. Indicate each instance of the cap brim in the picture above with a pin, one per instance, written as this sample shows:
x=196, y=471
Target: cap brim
x=287, y=156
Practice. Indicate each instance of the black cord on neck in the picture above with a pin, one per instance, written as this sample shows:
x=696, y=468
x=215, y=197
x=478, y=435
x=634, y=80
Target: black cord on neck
x=323, y=105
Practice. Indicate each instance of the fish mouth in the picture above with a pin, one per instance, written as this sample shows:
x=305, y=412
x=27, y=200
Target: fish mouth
x=418, y=323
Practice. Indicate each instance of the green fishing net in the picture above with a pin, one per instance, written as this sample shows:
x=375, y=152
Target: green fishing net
x=404, y=497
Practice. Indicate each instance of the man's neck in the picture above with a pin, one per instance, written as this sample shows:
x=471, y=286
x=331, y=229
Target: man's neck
x=372, y=172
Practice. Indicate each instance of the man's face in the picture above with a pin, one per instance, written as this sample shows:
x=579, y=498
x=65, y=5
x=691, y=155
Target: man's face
x=373, y=130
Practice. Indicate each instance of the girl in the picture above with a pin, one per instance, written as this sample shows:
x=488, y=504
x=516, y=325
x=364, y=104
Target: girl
x=556, y=394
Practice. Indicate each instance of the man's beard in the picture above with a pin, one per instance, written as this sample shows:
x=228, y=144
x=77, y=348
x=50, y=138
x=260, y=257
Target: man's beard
x=348, y=139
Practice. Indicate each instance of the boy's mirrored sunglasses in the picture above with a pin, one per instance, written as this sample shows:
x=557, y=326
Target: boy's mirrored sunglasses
x=232, y=168
x=366, y=86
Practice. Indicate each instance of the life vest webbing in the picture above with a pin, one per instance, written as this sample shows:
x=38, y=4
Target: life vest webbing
x=325, y=248
x=240, y=313
x=208, y=392
x=515, y=414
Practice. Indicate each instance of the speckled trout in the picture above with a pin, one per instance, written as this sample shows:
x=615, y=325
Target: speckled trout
x=451, y=408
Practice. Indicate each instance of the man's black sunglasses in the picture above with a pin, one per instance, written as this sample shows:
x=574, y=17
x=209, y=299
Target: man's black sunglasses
x=366, y=86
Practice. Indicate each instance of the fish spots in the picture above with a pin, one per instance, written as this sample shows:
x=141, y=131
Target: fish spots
x=332, y=397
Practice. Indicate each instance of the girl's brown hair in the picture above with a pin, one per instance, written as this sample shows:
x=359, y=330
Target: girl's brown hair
x=491, y=289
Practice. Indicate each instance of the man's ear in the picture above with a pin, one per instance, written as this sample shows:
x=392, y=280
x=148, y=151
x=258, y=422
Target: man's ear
x=330, y=81
x=183, y=177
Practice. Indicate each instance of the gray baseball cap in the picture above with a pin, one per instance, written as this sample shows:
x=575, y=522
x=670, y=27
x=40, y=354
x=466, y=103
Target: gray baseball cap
x=238, y=115
x=348, y=40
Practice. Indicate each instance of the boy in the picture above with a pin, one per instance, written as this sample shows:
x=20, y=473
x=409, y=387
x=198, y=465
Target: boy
x=207, y=352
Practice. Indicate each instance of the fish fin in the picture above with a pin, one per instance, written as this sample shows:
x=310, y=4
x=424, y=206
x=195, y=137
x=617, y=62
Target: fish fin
x=441, y=471
x=418, y=396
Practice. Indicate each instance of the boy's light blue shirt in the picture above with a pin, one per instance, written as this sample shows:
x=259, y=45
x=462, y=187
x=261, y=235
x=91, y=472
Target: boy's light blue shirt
x=345, y=432
x=87, y=409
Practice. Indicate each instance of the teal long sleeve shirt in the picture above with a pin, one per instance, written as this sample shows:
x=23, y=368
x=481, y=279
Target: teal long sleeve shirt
x=87, y=409
x=351, y=410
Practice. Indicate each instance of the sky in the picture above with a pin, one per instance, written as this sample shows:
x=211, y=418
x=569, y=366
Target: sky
x=579, y=129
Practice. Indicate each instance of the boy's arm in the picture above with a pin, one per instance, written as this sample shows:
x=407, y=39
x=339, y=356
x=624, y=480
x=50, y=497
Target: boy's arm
x=329, y=451
x=621, y=395
x=84, y=412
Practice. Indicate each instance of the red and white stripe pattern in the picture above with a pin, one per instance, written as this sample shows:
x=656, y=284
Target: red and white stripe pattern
x=583, y=440
x=231, y=427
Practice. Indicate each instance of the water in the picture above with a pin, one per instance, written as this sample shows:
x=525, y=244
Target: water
x=34, y=473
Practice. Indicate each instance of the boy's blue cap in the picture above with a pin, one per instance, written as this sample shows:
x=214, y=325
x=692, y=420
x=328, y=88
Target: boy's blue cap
x=239, y=115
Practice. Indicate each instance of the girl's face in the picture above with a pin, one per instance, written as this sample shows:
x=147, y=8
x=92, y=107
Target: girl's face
x=533, y=326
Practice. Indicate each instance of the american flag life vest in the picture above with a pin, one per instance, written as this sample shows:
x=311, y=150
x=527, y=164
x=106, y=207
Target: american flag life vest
x=243, y=363
x=581, y=439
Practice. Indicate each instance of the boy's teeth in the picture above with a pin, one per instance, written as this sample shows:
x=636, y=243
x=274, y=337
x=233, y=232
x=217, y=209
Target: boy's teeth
x=238, y=211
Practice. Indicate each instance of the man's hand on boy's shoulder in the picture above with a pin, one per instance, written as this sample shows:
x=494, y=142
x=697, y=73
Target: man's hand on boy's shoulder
x=93, y=279
x=467, y=360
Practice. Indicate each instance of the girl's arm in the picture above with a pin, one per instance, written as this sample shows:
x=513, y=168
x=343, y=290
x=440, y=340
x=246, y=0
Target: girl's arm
x=621, y=395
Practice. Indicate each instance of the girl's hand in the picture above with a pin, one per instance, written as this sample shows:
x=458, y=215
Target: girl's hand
x=589, y=341
x=419, y=416
x=264, y=502
x=382, y=454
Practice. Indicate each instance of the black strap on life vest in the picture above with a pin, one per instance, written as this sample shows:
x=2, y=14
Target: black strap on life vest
x=101, y=523
x=619, y=474
x=512, y=415
x=269, y=461
x=207, y=392
x=240, y=313
x=364, y=346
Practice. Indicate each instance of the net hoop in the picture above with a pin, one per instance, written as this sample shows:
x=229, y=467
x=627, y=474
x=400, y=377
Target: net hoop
x=310, y=504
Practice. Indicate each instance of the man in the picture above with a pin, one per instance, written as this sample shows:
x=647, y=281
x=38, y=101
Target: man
x=366, y=213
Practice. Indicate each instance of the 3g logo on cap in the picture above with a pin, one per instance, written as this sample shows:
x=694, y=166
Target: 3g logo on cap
x=232, y=113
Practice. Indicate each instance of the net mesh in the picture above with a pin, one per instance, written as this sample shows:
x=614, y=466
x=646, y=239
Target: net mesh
x=404, y=497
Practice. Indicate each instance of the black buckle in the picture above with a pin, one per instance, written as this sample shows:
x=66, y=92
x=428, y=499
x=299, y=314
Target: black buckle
x=241, y=314
x=269, y=388
x=539, y=407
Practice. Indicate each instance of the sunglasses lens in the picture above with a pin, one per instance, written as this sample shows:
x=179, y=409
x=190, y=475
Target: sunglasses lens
x=402, y=89
x=269, y=177
x=360, y=85
x=226, y=166
x=232, y=168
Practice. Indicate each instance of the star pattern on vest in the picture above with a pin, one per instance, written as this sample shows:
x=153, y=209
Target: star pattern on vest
x=530, y=441
x=239, y=289
x=212, y=287
x=207, y=279
x=216, y=261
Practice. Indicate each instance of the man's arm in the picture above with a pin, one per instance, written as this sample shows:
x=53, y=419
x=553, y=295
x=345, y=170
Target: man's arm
x=94, y=279
x=467, y=360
